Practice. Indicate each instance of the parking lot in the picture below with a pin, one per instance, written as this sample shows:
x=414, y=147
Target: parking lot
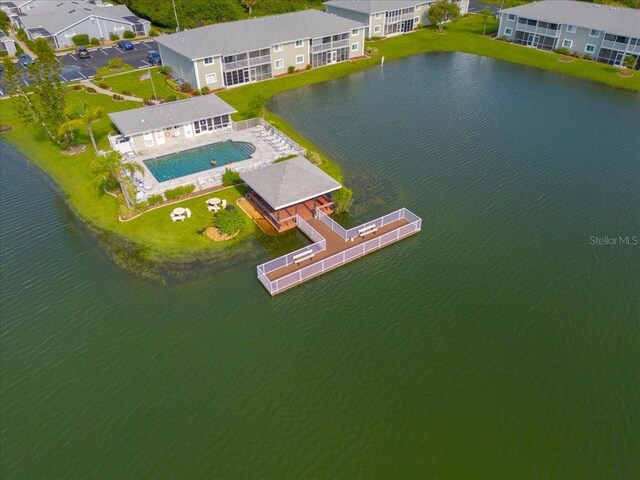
x=74, y=68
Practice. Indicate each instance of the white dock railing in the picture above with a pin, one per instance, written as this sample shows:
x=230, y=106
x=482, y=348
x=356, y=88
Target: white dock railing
x=340, y=258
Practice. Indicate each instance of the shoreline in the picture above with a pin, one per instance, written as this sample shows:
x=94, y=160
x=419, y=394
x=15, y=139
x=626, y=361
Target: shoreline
x=103, y=221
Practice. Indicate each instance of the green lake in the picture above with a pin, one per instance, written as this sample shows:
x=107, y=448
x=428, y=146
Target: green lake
x=500, y=342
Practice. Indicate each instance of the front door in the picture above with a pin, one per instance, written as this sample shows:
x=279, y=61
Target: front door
x=252, y=74
x=148, y=139
x=188, y=130
x=334, y=56
x=159, y=137
x=619, y=60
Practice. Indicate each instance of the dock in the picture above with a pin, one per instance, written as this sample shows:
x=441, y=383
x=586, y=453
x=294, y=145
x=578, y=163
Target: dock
x=333, y=247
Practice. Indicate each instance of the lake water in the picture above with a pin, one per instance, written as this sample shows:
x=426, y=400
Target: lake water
x=497, y=343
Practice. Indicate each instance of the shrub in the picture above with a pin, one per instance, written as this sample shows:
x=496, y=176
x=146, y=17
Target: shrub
x=186, y=87
x=205, y=90
x=115, y=63
x=77, y=87
x=375, y=38
x=309, y=66
x=95, y=41
x=104, y=85
x=562, y=51
x=127, y=93
x=113, y=36
x=155, y=199
x=586, y=56
x=172, y=85
x=97, y=77
x=164, y=70
x=228, y=221
x=343, y=199
x=229, y=177
x=80, y=40
x=91, y=90
x=291, y=69
x=153, y=32
x=170, y=98
x=115, y=96
x=147, y=101
x=19, y=49
x=4, y=53
x=196, y=92
x=179, y=192
x=314, y=158
x=128, y=34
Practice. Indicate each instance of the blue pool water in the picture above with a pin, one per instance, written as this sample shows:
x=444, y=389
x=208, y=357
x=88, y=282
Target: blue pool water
x=199, y=159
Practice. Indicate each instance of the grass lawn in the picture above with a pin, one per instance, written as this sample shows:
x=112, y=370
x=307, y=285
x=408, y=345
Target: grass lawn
x=141, y=88
x=154, y=230
x=104, y=71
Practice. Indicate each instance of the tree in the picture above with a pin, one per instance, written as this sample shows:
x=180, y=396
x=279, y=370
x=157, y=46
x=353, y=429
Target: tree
x=486, y=13
x=442, y=12
x=249, y=4
x=630, y=62
x=82, y=115
x=258, y=104
x=110, y=165
x=343, y=200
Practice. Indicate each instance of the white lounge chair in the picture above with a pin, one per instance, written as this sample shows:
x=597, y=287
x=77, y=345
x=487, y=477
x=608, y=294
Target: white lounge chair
x=202, y=182
x=224, y=203
x=187, y=212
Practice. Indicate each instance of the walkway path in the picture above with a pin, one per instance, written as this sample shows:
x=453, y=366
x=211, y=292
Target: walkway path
x=104, y=91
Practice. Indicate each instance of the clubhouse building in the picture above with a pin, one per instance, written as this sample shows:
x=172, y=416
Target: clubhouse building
x=234, y=53
x=604, y=33
x=384, y=18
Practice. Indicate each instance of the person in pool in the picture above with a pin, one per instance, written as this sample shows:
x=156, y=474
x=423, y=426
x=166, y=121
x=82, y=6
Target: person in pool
x=214, y=162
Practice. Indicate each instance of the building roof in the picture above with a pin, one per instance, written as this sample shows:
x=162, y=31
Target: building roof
x=614, y=20
x=287, y=183
x=373, y=6
x=58, y=16
x=4, y=38
x=157, y=117
x=246, y=35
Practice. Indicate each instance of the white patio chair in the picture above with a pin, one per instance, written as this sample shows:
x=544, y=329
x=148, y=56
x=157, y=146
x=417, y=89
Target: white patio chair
x=187, y=212
x=224, y=203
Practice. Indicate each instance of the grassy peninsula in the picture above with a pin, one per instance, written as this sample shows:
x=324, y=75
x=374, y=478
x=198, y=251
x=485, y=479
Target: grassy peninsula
x=164, y=239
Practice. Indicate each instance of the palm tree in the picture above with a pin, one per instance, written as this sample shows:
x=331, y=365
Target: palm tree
x=82, y=115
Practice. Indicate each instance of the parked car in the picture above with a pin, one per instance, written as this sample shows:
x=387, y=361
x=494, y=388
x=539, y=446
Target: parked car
x=125, y=45
x=25, y=59
x=153, y=58
x=82, y=52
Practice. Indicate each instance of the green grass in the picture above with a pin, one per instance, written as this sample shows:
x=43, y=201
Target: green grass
x=154, y=229
x=105, y=71
x=131, y=82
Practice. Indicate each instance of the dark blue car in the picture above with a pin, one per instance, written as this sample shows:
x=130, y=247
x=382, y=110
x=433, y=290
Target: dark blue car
x=125, y=45
x=25, y=59
x=154, y=58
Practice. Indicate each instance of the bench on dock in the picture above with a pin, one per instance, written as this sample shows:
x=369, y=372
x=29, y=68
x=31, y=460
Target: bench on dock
x=367, y=230
x=302, y=256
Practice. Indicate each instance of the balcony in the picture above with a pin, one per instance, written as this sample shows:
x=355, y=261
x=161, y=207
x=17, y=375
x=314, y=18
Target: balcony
x=547, y=32
x=615, y=45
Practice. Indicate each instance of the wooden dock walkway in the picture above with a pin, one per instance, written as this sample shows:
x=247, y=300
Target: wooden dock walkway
x=334, y=246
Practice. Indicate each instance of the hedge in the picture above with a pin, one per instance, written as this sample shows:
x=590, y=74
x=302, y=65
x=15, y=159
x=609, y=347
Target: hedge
x=155, y=199
x=128, y=34
x=179, y=192
x=228, y=221
x=80, y=40
x=229, y=177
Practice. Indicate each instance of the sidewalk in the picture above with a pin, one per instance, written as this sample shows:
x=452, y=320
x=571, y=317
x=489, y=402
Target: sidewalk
x=89, y=83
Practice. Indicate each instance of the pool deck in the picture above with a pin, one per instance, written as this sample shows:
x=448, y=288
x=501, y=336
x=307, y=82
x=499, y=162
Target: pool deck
x=265, y=154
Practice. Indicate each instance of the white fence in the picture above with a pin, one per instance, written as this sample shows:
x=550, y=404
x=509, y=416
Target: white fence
x=339, y=258
x=348, y=235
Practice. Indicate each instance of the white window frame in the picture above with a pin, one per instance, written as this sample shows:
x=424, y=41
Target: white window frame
x=299, y=43
x=597, y=35
x=208, y=61
x=567, y=46
x=279, y=62
x=355, y=32
x=511, y=17
x=586, y=48
x=299, y=59
x=376, y=29
x=278, y=48
x=571, y=29
x=355, y=47
x=212, y=75
x=508, y=31
x=377, y=16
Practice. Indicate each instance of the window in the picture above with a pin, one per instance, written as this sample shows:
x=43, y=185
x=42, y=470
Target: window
x=594, y=33
x=277, y=48
x=511, y=18
x=378, y=15
x=508, y=31
x=590, y=48
x=567, y=43
x=355, y=46
x=299, y=43
x=211, y=78
x=354, y=32
x=376, y=29
x=208, y=61
x=299, y=59
x=279, y=63
x=416, y=20
x=571, y=29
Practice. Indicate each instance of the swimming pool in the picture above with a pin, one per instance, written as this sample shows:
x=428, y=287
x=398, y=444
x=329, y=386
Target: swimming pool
x=199, y=159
